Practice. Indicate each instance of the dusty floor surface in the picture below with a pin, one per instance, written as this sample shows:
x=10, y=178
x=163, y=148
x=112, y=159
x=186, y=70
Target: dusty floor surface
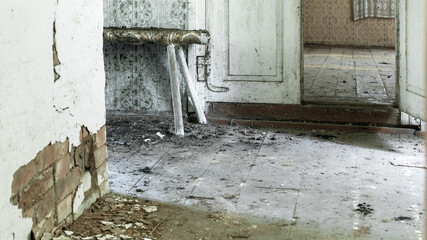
x=229, y=182
x=338, y=74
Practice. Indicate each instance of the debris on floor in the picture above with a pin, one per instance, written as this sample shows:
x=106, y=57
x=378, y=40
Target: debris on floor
x=364, y=209
x=117, y=217
x=297, y=184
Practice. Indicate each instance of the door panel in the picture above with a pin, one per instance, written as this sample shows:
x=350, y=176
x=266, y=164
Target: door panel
x=253, y=38
x=255, y=50
x=411, y=57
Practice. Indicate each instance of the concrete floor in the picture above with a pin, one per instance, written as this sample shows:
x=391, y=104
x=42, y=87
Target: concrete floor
x=338, y=74
x=312, y=184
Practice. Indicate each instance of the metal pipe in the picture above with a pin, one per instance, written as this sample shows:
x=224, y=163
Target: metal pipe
x=160, y=36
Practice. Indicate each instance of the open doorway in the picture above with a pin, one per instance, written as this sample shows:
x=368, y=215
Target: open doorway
x=348, y=59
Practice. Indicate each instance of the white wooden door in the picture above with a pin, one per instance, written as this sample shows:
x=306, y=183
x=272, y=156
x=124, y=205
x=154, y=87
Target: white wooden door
x=412, y=57
x=255, y=49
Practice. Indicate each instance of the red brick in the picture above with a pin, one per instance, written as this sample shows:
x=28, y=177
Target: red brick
x=46, y=204
x=29, y=213
x=101, y=137
x=61, y=149
x=68, y=184
x=15, y=199
x=100, y=156
x=23, y=176
x=33, y=193
x=101, y=174
x=46, y=157
x=44, y=225
x=83, y=133
x=65, y=208
x=62, y=167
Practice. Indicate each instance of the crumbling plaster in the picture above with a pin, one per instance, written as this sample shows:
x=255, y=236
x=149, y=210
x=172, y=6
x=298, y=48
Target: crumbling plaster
x=35, y=111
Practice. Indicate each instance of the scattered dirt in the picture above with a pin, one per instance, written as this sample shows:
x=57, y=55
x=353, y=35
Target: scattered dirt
x=118, y=217
x=403, y=218
x=364, y=209
x=362, y=231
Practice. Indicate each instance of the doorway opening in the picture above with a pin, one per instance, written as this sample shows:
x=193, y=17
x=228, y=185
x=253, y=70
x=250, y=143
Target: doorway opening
x=347, y=61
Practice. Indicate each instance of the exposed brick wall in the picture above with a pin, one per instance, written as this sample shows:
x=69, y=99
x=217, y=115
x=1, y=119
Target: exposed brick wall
x=58, y=185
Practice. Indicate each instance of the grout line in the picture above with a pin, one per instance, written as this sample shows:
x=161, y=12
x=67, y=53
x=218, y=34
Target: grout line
x=339, y=74
x=320, y=68
x=381, y=77
x=294, y=214
x=143, y=176
x=355, y=73
x=256, y=157
x=201, y=176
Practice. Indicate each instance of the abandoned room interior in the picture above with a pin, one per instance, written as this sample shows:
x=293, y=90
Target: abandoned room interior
x=212, y=119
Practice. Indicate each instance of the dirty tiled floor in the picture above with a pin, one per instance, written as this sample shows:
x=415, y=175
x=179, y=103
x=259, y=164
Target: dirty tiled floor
x=338, y=74
x=305, y=184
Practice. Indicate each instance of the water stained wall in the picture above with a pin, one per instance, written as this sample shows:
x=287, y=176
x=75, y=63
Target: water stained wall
x=137, y=77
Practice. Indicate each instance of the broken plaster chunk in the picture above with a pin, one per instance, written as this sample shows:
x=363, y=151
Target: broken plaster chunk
x=150, y=209
x=161, y=136
x=69, y=233
x=122, y=236
x=106, y=223
x=62, y=237
x=140, y=225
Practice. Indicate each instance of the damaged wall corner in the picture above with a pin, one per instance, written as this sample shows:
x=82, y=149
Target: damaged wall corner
x=42, y=186
x=56, y=186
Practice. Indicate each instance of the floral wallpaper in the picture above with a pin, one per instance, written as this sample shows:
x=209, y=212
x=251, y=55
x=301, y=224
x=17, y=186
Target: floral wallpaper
x=137, y=77
x=331, y=22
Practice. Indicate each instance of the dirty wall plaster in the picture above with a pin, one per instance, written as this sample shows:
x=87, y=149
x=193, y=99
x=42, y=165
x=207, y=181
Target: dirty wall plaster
x=35, y=110
x=137, y=77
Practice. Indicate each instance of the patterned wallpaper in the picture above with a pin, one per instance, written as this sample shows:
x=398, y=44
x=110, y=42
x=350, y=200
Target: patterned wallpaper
x=137, y=77
x=330, y=22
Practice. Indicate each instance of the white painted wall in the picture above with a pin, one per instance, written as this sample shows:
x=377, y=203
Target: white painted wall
x=34, y=110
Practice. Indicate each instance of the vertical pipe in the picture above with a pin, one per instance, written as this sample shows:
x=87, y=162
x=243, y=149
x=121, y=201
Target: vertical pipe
x=190, y=86
x=176, y=97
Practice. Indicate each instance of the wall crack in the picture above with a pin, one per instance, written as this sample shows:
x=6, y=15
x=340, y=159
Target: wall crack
x=56, y=61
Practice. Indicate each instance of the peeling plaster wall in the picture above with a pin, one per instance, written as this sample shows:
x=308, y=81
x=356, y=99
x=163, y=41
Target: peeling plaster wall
x=137, y=77
x=35, y=110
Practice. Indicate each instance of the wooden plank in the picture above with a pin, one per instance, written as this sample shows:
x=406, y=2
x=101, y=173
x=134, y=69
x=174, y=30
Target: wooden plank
x=316, y=126
x=383, y=116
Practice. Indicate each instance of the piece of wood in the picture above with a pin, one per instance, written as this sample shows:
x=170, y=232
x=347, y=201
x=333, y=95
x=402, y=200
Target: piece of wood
x=382, y=116
x=312, y=126
x=190, y=86
x=176, y=96
x=160, y=36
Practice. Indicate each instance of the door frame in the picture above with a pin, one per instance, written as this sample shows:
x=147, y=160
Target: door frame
x=396, y=50
x=197, y=20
